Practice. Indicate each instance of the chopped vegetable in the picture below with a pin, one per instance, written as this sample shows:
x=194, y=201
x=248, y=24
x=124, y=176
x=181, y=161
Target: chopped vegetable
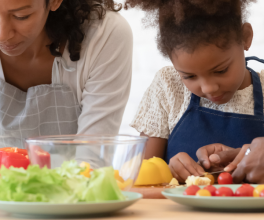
x=244, y=191
x=153, y=172
x=257, y=190
x=191, y=190
x=211, y=189
x=196, y=180
x=224, y=191
x=60, y=185
x=102, y=186
x=87, y=170
x=39, y=156
x=225, y=178
x=174, y=182
x=13, y=156
x=125, y=185
x=203, y=192
x=211, y=177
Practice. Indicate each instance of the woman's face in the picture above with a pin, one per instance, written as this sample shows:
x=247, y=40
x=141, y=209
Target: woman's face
x=21, y=22
x=213, y=73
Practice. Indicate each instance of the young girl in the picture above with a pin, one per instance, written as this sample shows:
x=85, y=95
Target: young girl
x=209, y=95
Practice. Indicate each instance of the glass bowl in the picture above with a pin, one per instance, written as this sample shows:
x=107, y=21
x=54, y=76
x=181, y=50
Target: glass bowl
x=123, y=152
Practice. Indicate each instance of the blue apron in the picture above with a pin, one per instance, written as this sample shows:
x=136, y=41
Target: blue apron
x=201, y=126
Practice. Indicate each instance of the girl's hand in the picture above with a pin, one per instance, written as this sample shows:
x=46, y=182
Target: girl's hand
x=182, y=166
x=214, y=157
x=249, y=168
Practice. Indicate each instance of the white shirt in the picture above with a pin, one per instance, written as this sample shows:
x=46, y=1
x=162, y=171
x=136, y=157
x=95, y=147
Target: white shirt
x=101, y=78
x=167, y=98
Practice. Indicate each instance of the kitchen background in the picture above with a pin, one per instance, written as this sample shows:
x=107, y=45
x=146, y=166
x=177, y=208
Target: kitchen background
x=147, y=60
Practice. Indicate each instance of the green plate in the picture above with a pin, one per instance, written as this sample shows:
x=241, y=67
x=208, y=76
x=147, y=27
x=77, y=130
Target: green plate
x=236, y=203
x=49, y=209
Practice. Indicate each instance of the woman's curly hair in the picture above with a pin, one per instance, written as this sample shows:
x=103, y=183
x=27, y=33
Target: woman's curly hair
x=66, y=22
x=186, y=24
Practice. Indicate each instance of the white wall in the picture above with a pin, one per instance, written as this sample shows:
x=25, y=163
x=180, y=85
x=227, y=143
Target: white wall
x=147, y=60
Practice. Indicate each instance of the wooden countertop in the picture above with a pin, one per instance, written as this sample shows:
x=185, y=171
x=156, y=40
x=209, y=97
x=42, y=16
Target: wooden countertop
x=149, y=192
x=148, y=209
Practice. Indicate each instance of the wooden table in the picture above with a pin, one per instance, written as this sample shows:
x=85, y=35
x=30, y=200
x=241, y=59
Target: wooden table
x=148, y=209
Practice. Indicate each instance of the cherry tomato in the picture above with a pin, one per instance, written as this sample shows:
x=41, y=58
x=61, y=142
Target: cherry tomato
x=191, y=190
x=203, y=192
x=247, y=185
x=244, y=190
x=257, y=190
x=225, y=178
x=224, y=191
x=211, y=189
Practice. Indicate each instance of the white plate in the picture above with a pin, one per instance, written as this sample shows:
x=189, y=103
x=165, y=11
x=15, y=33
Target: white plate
x=49, y=209
x=224, y=203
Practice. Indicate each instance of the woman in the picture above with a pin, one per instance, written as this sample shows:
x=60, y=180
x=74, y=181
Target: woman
x=246, y=163
x=65, y=67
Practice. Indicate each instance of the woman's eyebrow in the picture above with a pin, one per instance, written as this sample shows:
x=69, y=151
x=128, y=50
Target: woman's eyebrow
x=21, y=8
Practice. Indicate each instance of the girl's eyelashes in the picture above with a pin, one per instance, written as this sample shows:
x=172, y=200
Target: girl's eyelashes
x=187, y=77
x=218, y=72
x=22, y=18
x=223, y=71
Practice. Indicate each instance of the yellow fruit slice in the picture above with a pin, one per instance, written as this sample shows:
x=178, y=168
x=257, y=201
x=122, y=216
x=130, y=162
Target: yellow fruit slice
x=257, y=190
x=126, y=184
x=164, y=169
x=174, y=182
x=211, y=177
x=149, y=174
x=86, y=172
x=118, y=177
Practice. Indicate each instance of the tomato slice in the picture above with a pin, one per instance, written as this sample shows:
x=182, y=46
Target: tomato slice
x=39, y=156
x=13, y=156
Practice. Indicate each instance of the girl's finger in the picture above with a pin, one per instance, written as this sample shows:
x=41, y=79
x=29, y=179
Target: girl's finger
x=174, y=172
x=181, y=170
x=190, y=168
x=199, y=169
x=203, y=156
x=236, y=161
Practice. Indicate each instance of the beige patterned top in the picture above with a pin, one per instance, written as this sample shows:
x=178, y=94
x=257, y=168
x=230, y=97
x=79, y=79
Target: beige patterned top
x=167, y=98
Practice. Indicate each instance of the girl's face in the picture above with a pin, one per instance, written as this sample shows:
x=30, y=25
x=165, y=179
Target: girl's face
x=213, y=73
x=21, y=23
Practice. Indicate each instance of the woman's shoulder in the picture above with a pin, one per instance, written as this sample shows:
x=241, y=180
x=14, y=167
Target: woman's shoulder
x=112, y=23
x=108, y=43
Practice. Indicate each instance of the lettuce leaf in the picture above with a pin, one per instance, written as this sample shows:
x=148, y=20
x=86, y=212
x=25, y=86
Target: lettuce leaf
x=60, y=185
x=102, y=186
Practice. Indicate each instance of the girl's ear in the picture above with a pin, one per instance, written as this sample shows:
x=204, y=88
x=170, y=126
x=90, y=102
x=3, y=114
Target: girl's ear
x=55, y=4
x=247, y=35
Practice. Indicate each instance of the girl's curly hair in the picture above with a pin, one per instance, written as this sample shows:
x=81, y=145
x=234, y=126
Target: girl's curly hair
x=66, y=22
x=186, y=24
